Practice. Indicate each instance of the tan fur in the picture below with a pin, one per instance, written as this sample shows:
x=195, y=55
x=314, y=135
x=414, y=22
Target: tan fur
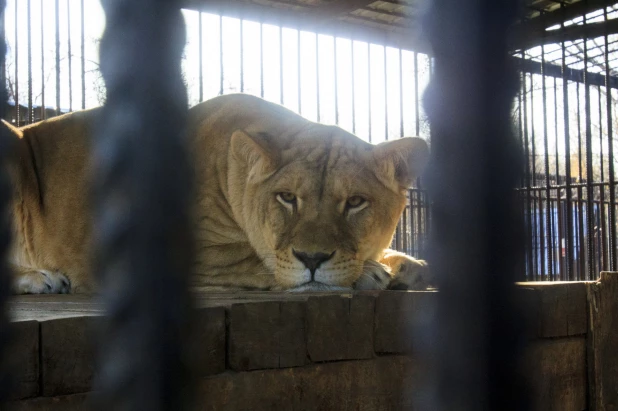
x=51, y=220
x=245, y=151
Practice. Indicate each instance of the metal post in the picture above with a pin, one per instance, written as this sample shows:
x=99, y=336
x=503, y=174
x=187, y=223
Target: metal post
x=30, y=116
x=5, y=231
x=477, y=332
x=43, y=111
x=57, y=26
x=69, y=55
x=83, y=53
x=143, y=246
x=610, y=144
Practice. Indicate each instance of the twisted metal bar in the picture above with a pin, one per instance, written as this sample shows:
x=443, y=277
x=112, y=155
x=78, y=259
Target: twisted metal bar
x=5, y=229
x=143, y=246
x=477, y=235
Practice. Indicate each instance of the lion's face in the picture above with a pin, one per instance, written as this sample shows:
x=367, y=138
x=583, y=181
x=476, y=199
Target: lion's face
x=326, y=202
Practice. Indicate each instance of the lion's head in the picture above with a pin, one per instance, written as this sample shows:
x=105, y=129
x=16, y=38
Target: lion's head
x=324, y=200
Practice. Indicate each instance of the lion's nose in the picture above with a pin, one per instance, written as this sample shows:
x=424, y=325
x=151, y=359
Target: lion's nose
x=312, y=261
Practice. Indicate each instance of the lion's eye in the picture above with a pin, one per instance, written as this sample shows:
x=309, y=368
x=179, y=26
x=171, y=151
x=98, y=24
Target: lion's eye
x=355, y=201
x=287, y=198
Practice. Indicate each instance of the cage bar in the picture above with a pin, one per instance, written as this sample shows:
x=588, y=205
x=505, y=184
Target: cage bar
x=142, y=183
x=69, y=55
x=468, y=104
x=83, y=53
x=201, y=54
x=16, y=85
x=6, y=379
x=57, y=26
x=30, y=117
x=613, y=252
x=43, y=111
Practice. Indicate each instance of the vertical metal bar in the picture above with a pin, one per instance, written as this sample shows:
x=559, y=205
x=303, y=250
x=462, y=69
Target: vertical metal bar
x=613, y=255
x=299, y=74
x=385, y=96
x=30, y=117
x=537, y=198
x=336, y=81
x=43, y=111
x=281, y=65
x=419, y=221
x=57, y=16
x=201, y=54
x=569, y=238
x=414, y=210
x=416, y=97
x=401, y=130
x=317, y=76
x=589, y=170
x=16, y=53
x=369, y=88
x=5, y=228
x=221, y=78
x=548, y=239
x=143, y=246
x=242, y=56
x=83, y=53
x=527, y=181
x=603, y=226
x=580, y=198
x=404, y=220
x=476, y=343
x=353, y=87
x=69, y=55
x=556, y=242
x=261, y=60
x=557, y=154
x=404, y=223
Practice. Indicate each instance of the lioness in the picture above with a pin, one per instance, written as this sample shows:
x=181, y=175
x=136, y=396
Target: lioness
x=282, y=203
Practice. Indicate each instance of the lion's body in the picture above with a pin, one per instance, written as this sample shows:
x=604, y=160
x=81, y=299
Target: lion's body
x=246, y=153
x=51, y=217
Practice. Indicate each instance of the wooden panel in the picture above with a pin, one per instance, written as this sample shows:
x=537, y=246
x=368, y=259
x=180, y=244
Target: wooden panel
x=209, y=341
x=340, y=328
x=556, y=371
x=24, y=359
x=556, y=309
x=267, y=335
x=603, y=342
x=67, y=355
x=75, y=402
x=399, y=317
x=384, y=383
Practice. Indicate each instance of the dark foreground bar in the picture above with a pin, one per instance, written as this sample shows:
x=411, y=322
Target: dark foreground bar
x=477, y=243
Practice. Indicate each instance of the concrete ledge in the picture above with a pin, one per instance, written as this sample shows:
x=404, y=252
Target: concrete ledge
x=344, y=351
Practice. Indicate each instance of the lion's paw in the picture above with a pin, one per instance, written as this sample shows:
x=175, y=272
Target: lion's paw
x=409, y=274
x=41, y=282
x=375, y=276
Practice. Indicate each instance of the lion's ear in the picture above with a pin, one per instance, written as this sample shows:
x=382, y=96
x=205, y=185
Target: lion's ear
x=402, y=160
x=254, y=151
x=13, y=131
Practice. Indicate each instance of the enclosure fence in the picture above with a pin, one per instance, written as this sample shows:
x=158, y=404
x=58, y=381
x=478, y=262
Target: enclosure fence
x=565, y=115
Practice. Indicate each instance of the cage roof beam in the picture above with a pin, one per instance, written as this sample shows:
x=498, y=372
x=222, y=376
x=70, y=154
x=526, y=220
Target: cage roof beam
x=569, y=33
x=553, y=70
x=312, y=18
x=535, y=28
